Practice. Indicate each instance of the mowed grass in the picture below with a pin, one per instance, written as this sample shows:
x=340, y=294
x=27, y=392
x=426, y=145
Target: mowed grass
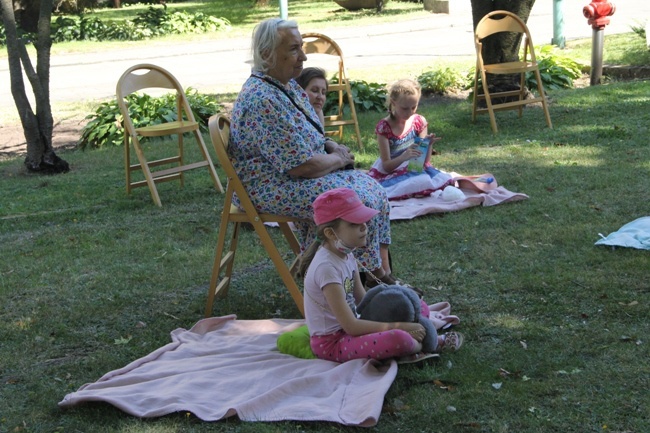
x=556, y=327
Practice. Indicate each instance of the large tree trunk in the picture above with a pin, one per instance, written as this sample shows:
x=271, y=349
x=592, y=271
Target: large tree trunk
x=501, y=47
x=38, y=126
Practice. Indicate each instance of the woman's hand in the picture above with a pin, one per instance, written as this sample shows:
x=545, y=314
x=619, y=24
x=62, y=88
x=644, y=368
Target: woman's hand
x=322, y=164
x=342, y=151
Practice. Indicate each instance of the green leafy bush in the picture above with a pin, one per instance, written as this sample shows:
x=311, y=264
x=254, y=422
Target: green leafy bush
x=557, y=71
x=638, y=29
x=105, y=125
x=150, y=23
x=367, y=97
x=441, y=81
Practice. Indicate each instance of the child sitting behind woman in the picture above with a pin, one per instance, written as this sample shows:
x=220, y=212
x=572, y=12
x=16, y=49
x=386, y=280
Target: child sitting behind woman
x=314, y=81
x=333, y=289
x=397, y=137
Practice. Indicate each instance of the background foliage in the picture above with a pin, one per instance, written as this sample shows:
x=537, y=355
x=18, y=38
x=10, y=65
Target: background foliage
x=105, y=124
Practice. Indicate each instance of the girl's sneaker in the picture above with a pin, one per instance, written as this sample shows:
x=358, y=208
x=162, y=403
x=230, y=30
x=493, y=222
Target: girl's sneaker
x=451, y=342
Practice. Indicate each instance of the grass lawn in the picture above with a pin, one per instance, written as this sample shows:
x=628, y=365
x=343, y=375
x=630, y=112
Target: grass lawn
x=93, y=279
x=556, y=328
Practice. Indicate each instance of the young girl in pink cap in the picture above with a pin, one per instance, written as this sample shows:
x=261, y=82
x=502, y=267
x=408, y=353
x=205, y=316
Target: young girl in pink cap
x=333, y=288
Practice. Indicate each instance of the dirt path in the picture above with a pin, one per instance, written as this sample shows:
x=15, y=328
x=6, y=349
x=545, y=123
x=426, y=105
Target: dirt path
x=65, y=136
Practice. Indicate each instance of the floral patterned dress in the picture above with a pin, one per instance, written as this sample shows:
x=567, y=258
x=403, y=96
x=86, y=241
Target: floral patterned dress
x=402, y=183
x=270, y=136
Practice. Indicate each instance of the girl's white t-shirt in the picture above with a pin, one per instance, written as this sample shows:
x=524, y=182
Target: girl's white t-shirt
x=327, y=268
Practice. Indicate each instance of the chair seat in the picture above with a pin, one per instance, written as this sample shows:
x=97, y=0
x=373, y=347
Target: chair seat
x=510, y=67
x=177, y=127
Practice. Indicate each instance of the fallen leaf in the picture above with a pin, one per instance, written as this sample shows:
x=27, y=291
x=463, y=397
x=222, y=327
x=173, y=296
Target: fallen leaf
x=122, y=340
x=503, y=373
x=523, y=344
x=497, y=385
x=631, y=304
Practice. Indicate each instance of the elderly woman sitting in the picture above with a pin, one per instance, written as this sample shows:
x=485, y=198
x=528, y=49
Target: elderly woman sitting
x=281, y=154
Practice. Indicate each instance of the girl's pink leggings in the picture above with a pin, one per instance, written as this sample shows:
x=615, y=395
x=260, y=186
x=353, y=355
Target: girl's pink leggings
x=341, y=347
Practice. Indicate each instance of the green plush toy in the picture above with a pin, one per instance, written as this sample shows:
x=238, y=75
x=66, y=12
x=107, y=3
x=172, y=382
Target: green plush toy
x=296, y=343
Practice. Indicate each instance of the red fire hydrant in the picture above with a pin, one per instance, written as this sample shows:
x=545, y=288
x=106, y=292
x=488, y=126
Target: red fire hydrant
x=597, y=13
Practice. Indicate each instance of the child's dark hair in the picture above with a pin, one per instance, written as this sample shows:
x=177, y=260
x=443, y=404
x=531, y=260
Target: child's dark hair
x=305, y=259
x=309, y=74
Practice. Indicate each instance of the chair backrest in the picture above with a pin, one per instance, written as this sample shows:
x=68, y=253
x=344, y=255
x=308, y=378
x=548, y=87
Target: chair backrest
x=317, y=43
x=148, y=76
x=503, y=21
x=500, y=21
x=219, y=126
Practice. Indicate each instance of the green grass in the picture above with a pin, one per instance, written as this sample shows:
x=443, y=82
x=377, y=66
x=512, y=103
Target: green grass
x=93, y=279
x=618, y=49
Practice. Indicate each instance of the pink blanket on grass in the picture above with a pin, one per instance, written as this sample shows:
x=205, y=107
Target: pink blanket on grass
x=475, y=194
x=223, y=367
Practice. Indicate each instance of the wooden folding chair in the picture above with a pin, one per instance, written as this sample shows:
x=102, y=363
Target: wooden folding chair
x=219, y=126
x=147, y=76
x=316, y=43
x=496, y=22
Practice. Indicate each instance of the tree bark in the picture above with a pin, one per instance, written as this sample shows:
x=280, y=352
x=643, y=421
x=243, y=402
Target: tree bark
x=37, y=127
x=501, y=47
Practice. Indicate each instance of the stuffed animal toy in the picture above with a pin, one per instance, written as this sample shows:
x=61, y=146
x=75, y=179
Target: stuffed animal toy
x=385, y=303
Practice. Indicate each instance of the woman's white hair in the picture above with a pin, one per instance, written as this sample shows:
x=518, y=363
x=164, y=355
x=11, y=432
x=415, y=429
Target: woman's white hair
x=266, y=38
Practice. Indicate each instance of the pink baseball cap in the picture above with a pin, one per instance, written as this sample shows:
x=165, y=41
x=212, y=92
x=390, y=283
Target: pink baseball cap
x=341, y=203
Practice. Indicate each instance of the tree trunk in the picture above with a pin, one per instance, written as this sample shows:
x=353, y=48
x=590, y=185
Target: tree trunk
x=501, y=47
x=38, y=126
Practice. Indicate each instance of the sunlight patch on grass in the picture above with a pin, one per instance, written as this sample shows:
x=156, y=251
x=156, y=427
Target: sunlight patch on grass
x=507, y=321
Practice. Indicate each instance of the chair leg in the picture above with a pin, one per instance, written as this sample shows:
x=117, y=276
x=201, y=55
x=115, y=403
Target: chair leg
x=181, y=157
x=206, y=156
x=488, y=102
x=127, y=161
x=290, y=237
x=522, y=92
x=475, y=99
x=146, y=171
x=540, y=88
x=217, y=287
x=280, y=265
x=353, y=112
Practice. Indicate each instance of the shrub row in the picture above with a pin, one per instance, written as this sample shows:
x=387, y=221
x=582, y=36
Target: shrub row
x=148, y=24
x=105, y=126
x=153, y=22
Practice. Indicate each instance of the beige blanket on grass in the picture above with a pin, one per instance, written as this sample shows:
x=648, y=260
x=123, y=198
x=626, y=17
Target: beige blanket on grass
x=224, y=367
